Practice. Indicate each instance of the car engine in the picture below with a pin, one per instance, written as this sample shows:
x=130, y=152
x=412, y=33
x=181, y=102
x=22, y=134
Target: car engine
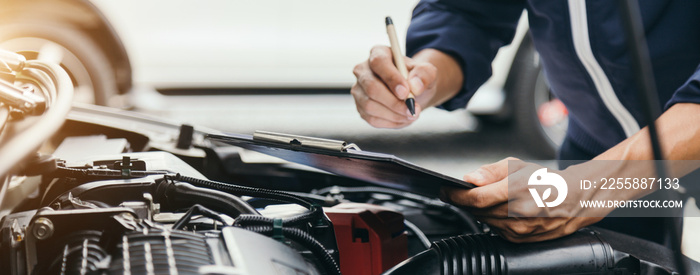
x=92, y=190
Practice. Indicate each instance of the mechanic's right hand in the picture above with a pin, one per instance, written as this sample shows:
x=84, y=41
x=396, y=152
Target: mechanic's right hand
x=380, y=90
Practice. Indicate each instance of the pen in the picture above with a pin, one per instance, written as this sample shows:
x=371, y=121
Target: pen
x=398, y=61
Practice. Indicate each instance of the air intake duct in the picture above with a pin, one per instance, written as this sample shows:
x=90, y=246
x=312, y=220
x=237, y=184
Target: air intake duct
x=588, y=251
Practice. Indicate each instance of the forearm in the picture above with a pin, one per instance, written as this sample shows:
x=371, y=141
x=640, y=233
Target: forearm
x=449, y=78
x=679, y=136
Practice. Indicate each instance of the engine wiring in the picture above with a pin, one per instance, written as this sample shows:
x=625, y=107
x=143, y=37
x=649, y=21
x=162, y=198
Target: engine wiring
x=197, y=209
x=419, y=233
x=314, y=211
x=270, y=226
x=104, y=173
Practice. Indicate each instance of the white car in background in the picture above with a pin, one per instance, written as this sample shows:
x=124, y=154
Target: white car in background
x=246, y=47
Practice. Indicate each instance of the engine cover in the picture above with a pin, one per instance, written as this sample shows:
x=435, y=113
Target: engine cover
x=235, y=251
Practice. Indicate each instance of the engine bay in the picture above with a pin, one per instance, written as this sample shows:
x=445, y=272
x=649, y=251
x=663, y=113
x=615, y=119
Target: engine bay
x=112, y=192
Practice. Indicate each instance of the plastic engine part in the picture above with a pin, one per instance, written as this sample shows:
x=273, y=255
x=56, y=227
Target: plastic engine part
x=587, y=251
x=371, y=238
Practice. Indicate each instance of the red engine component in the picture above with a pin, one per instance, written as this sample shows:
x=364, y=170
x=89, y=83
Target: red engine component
x=371, y=238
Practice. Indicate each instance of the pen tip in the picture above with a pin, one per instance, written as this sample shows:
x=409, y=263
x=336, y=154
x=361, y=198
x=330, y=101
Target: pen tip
x=388, y=21
x=411, y=104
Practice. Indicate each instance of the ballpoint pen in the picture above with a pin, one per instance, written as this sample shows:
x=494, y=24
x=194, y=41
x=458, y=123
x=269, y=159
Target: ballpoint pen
x=399, y=62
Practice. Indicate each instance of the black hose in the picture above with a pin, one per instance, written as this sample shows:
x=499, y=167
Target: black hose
x=313, y=213
x=263, y=225
x=245, y=190
x=587, y=251
x=419, y=233
x=227, y=203
x=102, y=173
x=197, y=210
x=260, y=220
x=307, y=241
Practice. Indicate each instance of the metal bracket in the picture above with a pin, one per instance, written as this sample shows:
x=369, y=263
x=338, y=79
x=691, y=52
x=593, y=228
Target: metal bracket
x=312, y=142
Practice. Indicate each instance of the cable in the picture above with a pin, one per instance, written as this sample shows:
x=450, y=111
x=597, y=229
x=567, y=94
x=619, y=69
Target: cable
x=419, y=233
x=245, y=190
x=307, y=241
x=644, y=78
x=197, y=210
x=103, y=173
x=266, y=224
x=184, y=195
x=314, y=212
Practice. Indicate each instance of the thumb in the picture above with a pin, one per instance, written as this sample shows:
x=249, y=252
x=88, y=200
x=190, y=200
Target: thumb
x=477, y=177
x=489, y=173
x=421, y=77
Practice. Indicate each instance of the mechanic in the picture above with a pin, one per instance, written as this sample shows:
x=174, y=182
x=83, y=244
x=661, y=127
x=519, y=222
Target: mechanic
x=451, y=44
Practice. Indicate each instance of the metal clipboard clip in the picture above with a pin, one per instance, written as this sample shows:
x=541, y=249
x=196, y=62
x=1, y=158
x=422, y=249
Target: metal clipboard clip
x=312, y=142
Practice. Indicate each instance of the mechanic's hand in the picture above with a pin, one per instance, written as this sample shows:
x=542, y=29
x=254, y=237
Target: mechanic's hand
x=380, y=90
x=489, y=202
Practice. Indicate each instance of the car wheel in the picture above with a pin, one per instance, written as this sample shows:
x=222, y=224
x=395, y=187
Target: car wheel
x=88, y=66
x=541, y=119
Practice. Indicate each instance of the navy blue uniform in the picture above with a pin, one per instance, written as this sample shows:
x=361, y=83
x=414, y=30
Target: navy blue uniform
x=584, y=57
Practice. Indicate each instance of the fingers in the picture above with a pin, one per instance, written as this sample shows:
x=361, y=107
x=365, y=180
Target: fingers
x=421, y=77
x=375, y=102
x=492, y=186
x=490, y=203
x=381, y=62
x=480, y=197
x=380, y=90
x=379, y=102
x=377, y=114
x=489, y=173
x=379, y=122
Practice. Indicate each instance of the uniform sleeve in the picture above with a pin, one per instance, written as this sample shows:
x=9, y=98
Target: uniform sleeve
x=689, y=92
x=471, y=31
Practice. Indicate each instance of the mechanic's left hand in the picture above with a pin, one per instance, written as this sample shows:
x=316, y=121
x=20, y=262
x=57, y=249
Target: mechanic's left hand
x=489, y=202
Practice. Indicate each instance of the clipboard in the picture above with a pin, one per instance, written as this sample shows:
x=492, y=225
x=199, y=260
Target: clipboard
x=345, y=159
